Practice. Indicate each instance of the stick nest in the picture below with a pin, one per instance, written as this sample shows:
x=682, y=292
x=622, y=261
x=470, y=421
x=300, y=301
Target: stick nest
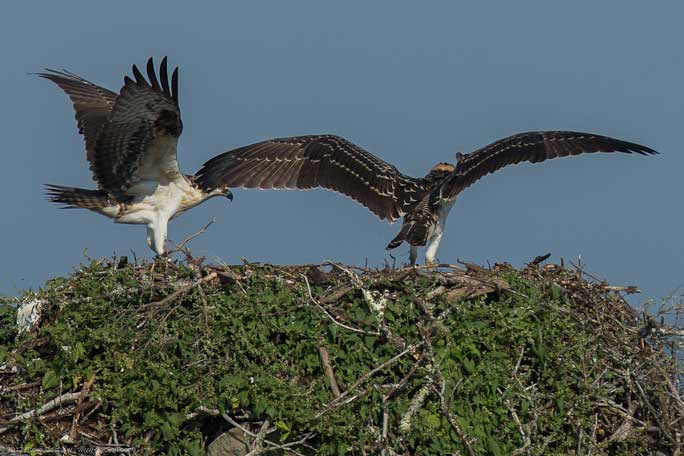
x=190, y=358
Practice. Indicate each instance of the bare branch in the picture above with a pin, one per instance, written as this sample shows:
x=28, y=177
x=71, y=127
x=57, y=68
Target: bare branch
x=327, y=314
x=327, y=368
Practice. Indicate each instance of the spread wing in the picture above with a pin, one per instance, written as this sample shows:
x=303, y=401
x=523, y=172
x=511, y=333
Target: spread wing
x=327, y=161
x=137, y=146
x=534, y=147
x=93, y=104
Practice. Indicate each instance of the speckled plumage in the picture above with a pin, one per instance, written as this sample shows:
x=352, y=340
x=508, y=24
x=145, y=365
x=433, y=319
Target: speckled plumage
x=336, y=164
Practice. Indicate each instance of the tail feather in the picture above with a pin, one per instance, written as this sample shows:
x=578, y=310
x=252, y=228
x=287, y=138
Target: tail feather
x=71, y=197
x=404, y=235
x=417, y=227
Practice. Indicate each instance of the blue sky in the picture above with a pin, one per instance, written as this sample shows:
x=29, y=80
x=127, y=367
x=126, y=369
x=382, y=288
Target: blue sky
x=412, y=82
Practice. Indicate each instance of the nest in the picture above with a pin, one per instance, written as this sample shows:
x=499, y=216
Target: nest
x=618, y=369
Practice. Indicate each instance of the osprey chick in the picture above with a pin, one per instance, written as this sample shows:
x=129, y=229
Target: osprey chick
x=333, y=163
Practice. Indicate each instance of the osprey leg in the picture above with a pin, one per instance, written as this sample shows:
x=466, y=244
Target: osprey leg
x=433, y=245
x=413, y=254
x=156, y=237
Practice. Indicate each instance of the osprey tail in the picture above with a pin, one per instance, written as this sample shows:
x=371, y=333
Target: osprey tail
x=72, y=197
x=418, y=225
x=399, y=238
x=411, y=232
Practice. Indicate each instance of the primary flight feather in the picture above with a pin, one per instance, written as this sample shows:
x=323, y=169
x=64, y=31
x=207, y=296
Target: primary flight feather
x=131, y=141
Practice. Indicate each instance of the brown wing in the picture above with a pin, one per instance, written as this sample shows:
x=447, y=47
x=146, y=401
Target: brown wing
x=534, y=147
x=306, y=162
x=93, y=104
x=138, y=143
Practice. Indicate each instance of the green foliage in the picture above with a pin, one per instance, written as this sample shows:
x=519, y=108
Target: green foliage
x=8, y=318
x=250, y=348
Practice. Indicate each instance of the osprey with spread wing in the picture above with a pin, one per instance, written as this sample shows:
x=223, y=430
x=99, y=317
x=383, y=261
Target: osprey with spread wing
x=131, y=143
x=333, y=163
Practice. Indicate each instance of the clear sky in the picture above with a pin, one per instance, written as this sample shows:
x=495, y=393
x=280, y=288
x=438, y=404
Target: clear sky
x=412, y=82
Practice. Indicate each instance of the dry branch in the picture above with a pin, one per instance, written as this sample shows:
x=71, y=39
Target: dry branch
x=327, y=368
x=59, y=401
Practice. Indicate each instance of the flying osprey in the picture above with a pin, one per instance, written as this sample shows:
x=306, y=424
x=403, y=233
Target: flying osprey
x=333, y=163
x=131, y=143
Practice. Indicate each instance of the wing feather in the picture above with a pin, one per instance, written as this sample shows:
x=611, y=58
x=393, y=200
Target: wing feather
x=327, y=161
x=138, y=143
x=93, y=104
x=164, y=76
x=534, y=147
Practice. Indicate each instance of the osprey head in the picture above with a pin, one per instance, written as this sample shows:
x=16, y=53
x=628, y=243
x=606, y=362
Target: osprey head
x=440, y=171
x=443, y=167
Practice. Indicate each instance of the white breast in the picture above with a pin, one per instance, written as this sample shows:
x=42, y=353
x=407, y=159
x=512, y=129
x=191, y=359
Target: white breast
x=155, y=202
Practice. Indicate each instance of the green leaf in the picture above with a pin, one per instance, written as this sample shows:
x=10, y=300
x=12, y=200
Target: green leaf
x=469, y=365
x=433, y=420
x=50, y=379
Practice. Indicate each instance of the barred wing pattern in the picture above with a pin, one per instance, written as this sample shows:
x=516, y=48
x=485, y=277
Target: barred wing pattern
x=417, y=225
x=93, y=104
x=327, y=161
x=534, y=147
x=138, y=144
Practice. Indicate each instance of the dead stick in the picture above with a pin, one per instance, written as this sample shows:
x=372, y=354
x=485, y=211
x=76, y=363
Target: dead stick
x=258, y=445
x=209, y=277
x=337, y=401
x=181, y=246
x=84, y=392
x=274, y=446
x=327, y=314
x=64, y=399
x=327, y=368
x=23, y=386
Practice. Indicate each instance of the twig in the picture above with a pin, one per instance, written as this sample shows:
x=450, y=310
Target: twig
x=399, y=386
x=338, y=401
x=181, y=247
x=22, y=386
x=437, y=372
x=385, y=422
x=654, y=413
x=452, y=421
x=525, y=437
x=275, y=446
x=64, y=399
x=172, y=297
x=84, y=392
x=209, y=277
x=629, y=289
x=327, y=368
x=520, y=357
x=98, y=449
x=327, y=314
x=436, y=265
x=258, y=445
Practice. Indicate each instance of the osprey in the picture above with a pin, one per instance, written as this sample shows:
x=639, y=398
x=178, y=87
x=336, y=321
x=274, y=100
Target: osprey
x=333, y=163
x=130, y=141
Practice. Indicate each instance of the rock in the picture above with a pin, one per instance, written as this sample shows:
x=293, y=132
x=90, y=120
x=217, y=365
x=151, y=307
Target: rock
x=231, y=443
